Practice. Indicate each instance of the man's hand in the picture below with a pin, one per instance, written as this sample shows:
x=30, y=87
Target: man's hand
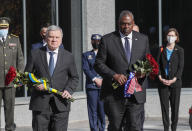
x=40, y=87
x=120, y=78
x=66, y=94
x=98, y=82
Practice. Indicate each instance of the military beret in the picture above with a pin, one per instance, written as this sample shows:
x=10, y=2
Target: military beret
x=4, y=22
x=96, y=37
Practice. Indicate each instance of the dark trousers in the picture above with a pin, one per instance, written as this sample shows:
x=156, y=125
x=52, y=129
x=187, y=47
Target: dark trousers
x=95, y=108
x=52, y=120
x=142, y=120
x=119, y=110
x=171, y=94
x=7, y=94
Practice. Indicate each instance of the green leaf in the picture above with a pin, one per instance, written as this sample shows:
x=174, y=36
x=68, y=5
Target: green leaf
x=115, y=85
x=135, y=66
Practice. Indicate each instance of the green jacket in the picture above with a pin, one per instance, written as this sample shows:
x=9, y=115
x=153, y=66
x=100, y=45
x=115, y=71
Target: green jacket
x=10, y=55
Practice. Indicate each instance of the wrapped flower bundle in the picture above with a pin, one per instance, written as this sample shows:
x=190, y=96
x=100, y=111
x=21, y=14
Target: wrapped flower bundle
x=27, y=78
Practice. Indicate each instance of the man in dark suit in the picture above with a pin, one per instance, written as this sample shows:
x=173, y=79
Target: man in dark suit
x=42, y=33
x=58, y=66
x=118, y=51
x=93, y=85
x=43, y=42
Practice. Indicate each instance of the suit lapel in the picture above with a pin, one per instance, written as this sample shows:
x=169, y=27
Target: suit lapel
x=7, y=40
x=164, y=57
x=134, y=46
x=92, y=57
x=165, y=53
x=44, y=58
x=174, y=53
x=59, y=60
x=119, y=45
x=93, y=54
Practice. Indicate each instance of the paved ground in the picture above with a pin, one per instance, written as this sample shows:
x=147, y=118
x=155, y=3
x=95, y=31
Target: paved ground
x=150, y=125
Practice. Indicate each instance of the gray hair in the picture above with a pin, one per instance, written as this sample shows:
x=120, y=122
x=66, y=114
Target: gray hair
x=125, y=13
x=54, y=28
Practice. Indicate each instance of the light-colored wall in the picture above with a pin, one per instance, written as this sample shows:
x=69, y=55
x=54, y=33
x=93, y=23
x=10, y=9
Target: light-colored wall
x=98, y=17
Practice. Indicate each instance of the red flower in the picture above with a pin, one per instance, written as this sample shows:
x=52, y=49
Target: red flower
x=149, y=57
x=190, y=110
x=154, y=65
x=10, y=75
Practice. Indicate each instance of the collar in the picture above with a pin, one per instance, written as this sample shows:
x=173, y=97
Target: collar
x=3, y=37
x=95, y=51
x=44, y=42
x=55, y=51
x=123, y=36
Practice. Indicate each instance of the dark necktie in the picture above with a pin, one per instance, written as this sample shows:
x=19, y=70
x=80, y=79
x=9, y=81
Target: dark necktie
x=51, y=63
x=127, y=49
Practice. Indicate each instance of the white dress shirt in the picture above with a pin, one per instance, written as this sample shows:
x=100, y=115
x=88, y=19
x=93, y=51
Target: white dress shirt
x=129, y=38
x=1, y=38
x=55, y=55
x=44, y=43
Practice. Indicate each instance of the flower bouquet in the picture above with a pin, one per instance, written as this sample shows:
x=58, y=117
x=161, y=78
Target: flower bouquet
x=148, y=67
x=27, y=78
x=190, y=117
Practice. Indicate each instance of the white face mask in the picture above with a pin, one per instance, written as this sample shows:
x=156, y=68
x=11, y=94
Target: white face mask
x=3, y=32
x=171, y=39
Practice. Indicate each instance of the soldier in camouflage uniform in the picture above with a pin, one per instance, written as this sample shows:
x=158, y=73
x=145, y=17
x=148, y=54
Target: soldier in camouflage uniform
x=10, y=55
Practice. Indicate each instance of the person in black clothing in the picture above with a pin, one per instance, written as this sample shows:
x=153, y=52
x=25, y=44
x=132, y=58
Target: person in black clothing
x=171, y=63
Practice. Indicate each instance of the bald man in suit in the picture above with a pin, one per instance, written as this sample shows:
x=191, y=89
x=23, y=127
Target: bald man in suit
x=118, y=51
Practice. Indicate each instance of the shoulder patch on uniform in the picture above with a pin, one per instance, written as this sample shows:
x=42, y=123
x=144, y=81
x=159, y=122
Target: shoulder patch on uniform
x=14, y=35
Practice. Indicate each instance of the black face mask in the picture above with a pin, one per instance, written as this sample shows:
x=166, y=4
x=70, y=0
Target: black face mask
x=95, y=45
